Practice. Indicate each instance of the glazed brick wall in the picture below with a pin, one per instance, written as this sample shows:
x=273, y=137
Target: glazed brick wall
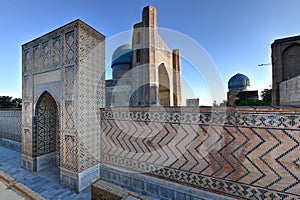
x=246, y=152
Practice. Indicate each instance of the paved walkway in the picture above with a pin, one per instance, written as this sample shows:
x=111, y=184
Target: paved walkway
x=8, y=194
x=45, y=182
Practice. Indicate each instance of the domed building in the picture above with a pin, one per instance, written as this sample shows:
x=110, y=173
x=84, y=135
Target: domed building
x=118, y=88
x=238, y=82
x=238, y=87
x=121, y=60
x=146, y=72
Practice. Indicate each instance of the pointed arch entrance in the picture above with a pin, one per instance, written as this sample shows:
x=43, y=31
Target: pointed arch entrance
x=291, y=62
x=46, y=137
x=164, y=86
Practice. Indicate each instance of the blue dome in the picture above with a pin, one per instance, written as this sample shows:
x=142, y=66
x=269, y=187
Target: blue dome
x=238, y=82
x=122, y=54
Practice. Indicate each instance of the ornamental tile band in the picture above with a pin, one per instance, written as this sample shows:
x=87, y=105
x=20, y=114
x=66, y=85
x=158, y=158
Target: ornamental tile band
x=255, y=156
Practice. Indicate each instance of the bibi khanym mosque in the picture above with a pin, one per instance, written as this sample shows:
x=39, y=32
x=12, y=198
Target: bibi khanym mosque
x=72, y=120
x=145, y=72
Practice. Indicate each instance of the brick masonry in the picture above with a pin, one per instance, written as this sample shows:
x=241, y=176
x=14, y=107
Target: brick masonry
x=285, y=66
x=105, y=190
x=246, y=152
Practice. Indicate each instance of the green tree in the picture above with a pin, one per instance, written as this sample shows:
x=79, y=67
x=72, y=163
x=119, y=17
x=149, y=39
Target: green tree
x=266, y=95
x=224, y=103
x=9, y=102
x=215, y=103
x=17, y=102
x=251, y=102
x=249, y=98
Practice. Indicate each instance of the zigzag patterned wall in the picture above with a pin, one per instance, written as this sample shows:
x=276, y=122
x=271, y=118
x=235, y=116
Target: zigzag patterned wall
x=250, y=153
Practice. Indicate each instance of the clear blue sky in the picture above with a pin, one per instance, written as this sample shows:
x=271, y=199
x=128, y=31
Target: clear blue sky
x=236, y=34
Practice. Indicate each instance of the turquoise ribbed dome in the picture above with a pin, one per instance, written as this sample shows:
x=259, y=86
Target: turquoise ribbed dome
x=122, y=54
x=238, y=82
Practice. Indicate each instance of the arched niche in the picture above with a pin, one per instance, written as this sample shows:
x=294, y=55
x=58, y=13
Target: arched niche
x=45, y=133
x=291, y=62
x=164, y=85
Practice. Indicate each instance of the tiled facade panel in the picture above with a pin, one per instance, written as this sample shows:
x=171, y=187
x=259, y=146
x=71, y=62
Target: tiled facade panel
x=68, y=65
x=46, y=125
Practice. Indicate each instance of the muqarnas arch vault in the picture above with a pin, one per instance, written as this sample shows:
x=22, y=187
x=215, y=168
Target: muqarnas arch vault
x=63, y=87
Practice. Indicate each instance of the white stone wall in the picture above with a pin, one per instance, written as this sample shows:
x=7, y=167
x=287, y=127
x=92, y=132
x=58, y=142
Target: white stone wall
x=10, y=125
x=289, y=92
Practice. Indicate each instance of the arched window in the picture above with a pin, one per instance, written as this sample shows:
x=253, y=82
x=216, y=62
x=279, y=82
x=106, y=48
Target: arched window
x=291, y=62
x=164, y=86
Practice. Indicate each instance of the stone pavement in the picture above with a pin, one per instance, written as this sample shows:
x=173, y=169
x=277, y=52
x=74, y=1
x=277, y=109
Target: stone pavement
x=45, y=182
x=8, y=194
